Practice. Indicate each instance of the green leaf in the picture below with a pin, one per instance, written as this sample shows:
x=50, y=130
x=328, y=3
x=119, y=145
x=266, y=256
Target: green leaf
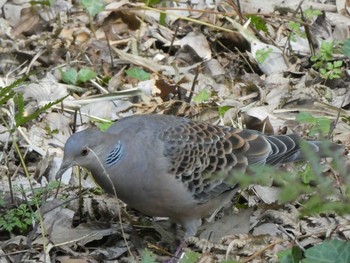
x=19, y=116
x=262, y=54
x=292, y=192
x=190, y=257
x=138, y=73
x=314, y=58
x=93, y=6
x=332, y=251
x=294, y=25
x=293, y=255
x=7, y=93
x=148, y=257
x=305, y=117
x=257, y=175
x=329, y=65
x=335, y=74
x=326, y=50
x=86, y=74
x=162, y=16
x=222, y=110
x=44, y=3
x=70, y=76
x=320, y=124
x=152, y=2
x=324, y=73
x=258, y=23
x=103, y=126
x=338, y=63
x=310, y=13
x=19, y=102
x=20, y=218
x=202, y=96
x=323, y=126
x=295, y=28
x=307, y=176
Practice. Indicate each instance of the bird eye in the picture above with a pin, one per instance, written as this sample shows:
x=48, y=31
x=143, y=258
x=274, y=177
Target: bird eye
x=84, y=151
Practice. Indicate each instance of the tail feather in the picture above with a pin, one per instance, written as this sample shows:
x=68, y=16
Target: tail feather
x=287, y=148
x=323, y=149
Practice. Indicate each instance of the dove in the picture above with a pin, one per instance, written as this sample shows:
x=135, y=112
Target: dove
x=174, y=167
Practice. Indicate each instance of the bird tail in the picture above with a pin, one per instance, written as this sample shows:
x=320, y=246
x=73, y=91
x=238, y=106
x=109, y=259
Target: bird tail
x=323, y=149
x=291, y=148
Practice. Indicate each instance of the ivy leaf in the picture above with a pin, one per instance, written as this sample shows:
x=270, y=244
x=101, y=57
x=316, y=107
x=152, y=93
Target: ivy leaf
x=328, y=252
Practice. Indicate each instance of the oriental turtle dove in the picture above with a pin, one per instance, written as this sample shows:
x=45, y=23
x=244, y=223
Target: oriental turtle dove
x=173, y=167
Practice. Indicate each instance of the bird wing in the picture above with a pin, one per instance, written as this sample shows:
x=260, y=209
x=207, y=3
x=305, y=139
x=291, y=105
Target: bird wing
x=203, y=156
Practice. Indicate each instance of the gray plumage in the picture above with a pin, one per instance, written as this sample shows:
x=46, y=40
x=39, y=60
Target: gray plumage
x=174, y=167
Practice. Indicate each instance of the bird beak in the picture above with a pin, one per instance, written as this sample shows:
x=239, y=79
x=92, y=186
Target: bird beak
x=66, y=164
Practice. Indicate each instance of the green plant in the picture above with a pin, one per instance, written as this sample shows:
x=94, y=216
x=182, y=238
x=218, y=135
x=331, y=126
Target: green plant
x=325, y=53
x=311, y=13
x=296, y=27
x=148, y=257
x=202, y=96
x=258, y=22
x=319, y=125
x=323, y=60
x=43, y=2
x=329, y=251
x=74, y=77
x=93, y=7
x=138, y=73
x=20, y=218
x=20, y=116
x=263, y=54
x=325, y=63
x=222, y=110
x=103, y=126
x=190, y=257
x=332, y=70
x=39, y=192
x=7, y=93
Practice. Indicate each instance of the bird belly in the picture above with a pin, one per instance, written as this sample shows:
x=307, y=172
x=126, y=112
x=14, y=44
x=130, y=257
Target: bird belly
x=165, y=200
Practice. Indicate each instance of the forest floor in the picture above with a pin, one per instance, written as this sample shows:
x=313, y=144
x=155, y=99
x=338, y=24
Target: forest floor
x=277, y=68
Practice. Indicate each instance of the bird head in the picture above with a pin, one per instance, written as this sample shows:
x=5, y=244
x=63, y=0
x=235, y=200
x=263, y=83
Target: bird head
x=82, y=148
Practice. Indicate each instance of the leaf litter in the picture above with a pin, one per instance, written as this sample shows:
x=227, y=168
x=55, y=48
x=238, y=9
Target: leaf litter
x=185, y=59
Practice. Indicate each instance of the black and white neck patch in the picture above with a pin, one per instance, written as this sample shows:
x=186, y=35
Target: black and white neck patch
x=115, y=155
